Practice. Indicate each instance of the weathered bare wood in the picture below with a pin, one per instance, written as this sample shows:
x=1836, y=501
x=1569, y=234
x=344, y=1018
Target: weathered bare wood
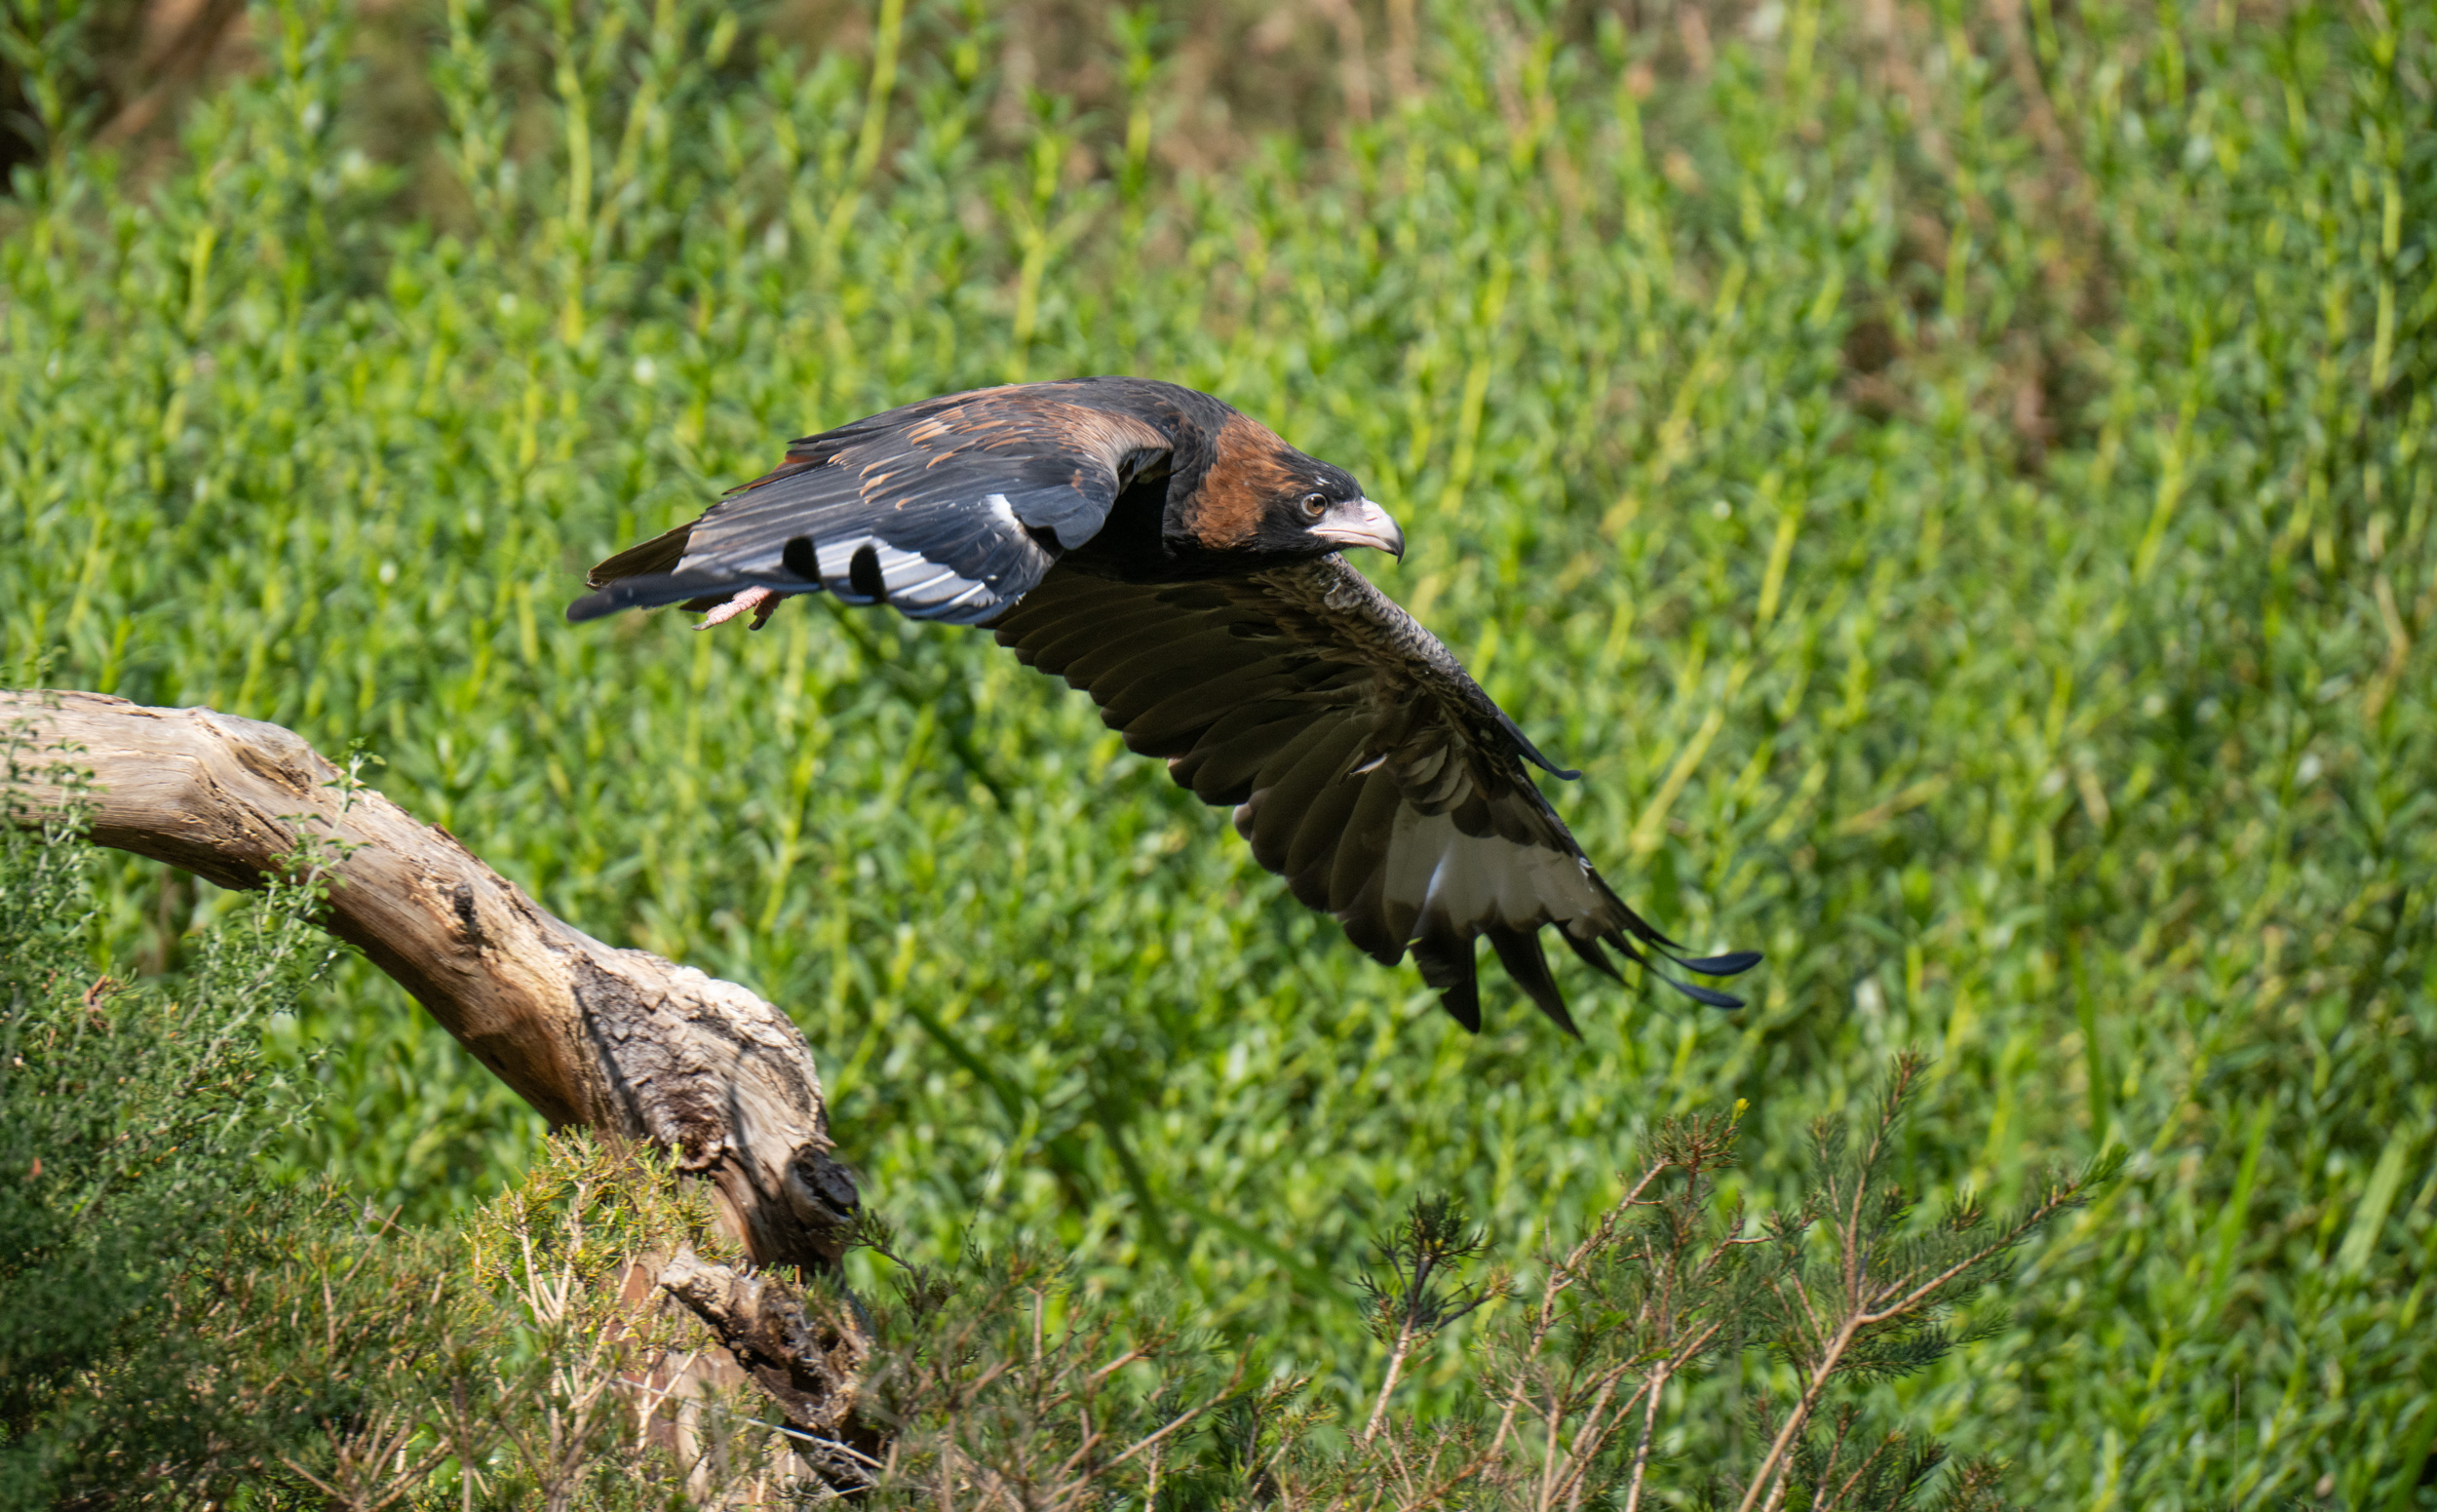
x=619, y=1041
x=810, y=1362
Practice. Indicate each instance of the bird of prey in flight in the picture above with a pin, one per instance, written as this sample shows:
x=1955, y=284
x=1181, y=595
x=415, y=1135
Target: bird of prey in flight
x=1177, y=561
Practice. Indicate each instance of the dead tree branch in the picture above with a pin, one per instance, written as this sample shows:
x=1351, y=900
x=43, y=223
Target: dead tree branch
x=618, y=1042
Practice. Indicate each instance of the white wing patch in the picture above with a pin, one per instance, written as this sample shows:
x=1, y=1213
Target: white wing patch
x=915, y=584
x=1434, y=869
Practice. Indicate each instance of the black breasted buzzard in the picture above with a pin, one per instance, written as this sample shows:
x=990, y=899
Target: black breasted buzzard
x=1180, y=563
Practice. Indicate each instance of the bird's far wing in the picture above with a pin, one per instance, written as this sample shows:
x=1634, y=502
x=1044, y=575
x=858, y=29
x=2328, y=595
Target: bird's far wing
x=948, y=509
x=1365, y=765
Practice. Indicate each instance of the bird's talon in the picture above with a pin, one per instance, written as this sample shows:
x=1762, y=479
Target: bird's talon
x=761, y=601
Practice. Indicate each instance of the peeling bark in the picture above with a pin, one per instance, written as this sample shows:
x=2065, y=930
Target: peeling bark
x=618, y=1042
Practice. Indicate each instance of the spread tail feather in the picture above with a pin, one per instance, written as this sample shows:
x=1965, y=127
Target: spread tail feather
x=649, y=591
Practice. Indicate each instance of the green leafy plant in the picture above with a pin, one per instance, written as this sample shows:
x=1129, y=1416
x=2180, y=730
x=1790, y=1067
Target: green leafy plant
x=1421, y=1296
x=182, y=1325
x=133, y=1131
x=1592, y=1379
x=1956, y=477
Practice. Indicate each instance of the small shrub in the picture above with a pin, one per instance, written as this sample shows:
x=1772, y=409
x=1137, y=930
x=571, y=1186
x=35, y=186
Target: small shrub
x=1000, y=1383
x=133, y=1127
x=179, y=1326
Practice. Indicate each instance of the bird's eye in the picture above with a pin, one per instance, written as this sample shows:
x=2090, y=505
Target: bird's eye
x=1315, y=504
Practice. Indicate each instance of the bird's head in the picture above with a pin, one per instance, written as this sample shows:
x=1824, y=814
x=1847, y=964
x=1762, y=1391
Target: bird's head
x=1326, y=506
x=1262, y=496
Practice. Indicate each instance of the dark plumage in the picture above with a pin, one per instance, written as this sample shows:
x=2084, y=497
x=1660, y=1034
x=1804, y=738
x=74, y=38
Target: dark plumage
x=1178, y=563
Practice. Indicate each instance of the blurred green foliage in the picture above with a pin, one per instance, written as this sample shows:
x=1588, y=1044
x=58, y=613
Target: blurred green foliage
x=131, y=1129
x=178, y=1328
x=1954, y=477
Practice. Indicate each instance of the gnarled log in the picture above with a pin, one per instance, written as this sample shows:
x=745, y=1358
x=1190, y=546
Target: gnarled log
x=618, y=1042
x=810, y=1363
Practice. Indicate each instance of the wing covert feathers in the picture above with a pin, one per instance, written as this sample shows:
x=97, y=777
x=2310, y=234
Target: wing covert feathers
x=1365, y=766
x=948, y=509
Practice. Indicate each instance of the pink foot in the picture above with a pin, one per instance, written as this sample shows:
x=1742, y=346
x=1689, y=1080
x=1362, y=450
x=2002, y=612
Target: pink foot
x=761, y=601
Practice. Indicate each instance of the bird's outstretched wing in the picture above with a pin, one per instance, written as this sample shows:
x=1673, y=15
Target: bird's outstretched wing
x=1365, y=765
x=948, y=509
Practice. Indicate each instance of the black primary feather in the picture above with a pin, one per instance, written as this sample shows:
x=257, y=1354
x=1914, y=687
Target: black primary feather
x=1421, y=830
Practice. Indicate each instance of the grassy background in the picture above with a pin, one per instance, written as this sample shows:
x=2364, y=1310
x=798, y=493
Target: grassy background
x=1953, y=476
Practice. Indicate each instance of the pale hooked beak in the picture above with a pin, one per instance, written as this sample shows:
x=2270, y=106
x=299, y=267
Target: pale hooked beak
x=1361, y=523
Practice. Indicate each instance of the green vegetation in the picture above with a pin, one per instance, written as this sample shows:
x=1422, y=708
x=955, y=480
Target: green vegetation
x=130, y=1129
x=1574, y=1384
x=183, y=1329
x=1958, y=488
